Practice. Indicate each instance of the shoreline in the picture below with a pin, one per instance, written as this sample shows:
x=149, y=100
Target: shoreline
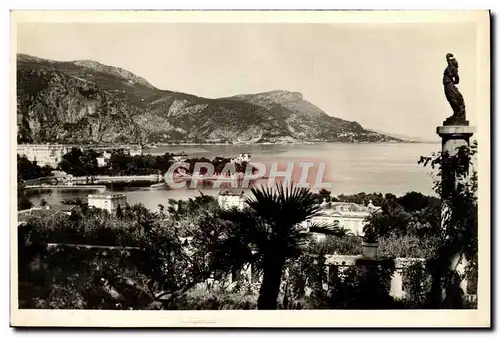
x=148, y=146
x=64, y=188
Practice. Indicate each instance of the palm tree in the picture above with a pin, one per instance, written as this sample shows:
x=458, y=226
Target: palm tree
x=267, y=234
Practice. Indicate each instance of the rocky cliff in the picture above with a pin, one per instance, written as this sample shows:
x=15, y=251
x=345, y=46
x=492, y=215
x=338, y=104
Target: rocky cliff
x=86, y=101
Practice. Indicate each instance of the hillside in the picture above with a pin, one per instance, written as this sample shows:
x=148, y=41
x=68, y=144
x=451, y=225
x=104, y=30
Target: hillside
x=86, y=101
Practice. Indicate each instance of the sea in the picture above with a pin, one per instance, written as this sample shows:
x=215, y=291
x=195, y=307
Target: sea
x=348, y=169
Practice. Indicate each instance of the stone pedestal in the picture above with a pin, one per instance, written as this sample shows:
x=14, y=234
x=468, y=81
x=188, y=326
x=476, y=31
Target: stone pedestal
x=454, y=133
x=454, y=136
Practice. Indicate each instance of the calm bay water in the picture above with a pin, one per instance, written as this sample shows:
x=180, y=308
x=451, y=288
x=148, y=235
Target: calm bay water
x=349, y=168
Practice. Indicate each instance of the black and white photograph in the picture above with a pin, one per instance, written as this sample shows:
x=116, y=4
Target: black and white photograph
x=225, y=163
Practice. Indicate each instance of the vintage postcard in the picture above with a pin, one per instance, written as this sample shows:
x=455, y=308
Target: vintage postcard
x=250, y=169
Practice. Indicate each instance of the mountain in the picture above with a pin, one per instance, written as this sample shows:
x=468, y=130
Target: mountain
x=89, y=102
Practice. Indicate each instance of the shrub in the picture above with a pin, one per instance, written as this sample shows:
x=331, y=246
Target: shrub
x=403, y=246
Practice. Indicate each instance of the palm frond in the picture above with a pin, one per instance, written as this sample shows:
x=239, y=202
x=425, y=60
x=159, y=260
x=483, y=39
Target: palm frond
x=329, y=229
x=283, y=205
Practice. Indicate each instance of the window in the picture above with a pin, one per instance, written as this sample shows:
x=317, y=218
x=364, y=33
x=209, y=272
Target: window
x=405, y=279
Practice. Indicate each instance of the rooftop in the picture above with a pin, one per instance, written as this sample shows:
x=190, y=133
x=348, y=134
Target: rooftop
x=25, y=215
x=63, y=208
x=234, y=192
x=349, y=260
x=347, y=207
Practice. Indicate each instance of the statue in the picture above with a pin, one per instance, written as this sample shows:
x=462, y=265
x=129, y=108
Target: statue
x=454, y=97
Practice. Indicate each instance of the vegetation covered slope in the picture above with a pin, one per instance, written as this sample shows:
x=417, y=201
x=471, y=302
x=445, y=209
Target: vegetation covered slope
x=86, y=101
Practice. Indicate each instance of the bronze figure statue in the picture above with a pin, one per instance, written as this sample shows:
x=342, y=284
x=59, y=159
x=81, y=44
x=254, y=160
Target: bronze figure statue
x=450, y=79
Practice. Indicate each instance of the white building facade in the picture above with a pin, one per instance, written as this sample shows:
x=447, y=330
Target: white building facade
x=228, y=200
x=51, y=154
x=103, y=160
x=107, y=201
x=242, y=158
x=43, y=154
x=350, y=216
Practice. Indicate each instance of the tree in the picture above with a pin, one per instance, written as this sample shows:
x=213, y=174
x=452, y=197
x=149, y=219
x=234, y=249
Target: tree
x=71, y=163
x=392, y=219
x=363, y=198
x=415, y=201
x=23, y=202
x=89, y=161
x=152, y=267
x=267, y=235
x=27, y=169
x=322, y=195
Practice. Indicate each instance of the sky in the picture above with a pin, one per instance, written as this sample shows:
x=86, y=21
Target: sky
x=387, y=77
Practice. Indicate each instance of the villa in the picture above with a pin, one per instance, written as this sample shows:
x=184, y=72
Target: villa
x=242, y=158
x=178, y=157
x=231, y=199
x=108, y=201
x=346, y=215
x=47, y=211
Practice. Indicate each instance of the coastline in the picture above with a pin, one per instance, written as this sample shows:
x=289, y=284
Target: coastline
x=156, y=145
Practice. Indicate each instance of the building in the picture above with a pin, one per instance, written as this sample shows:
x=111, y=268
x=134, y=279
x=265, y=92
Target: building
x=51, y=154
x=103, y=160
x=66, y=209
x=242, y=158
x=130, y=149
x=231, y=199
x=135, y=150
x=45, y=211
x=178, y=157
x=63, y=178
x=346, y=215
x=43, y=154
x=108, y=201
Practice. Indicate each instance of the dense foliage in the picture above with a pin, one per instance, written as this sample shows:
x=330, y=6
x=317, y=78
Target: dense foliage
x=267, y=235
x=151, y=242
x=84, y=163
x=193, y=255
x=455, y=237
x=27, y=169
